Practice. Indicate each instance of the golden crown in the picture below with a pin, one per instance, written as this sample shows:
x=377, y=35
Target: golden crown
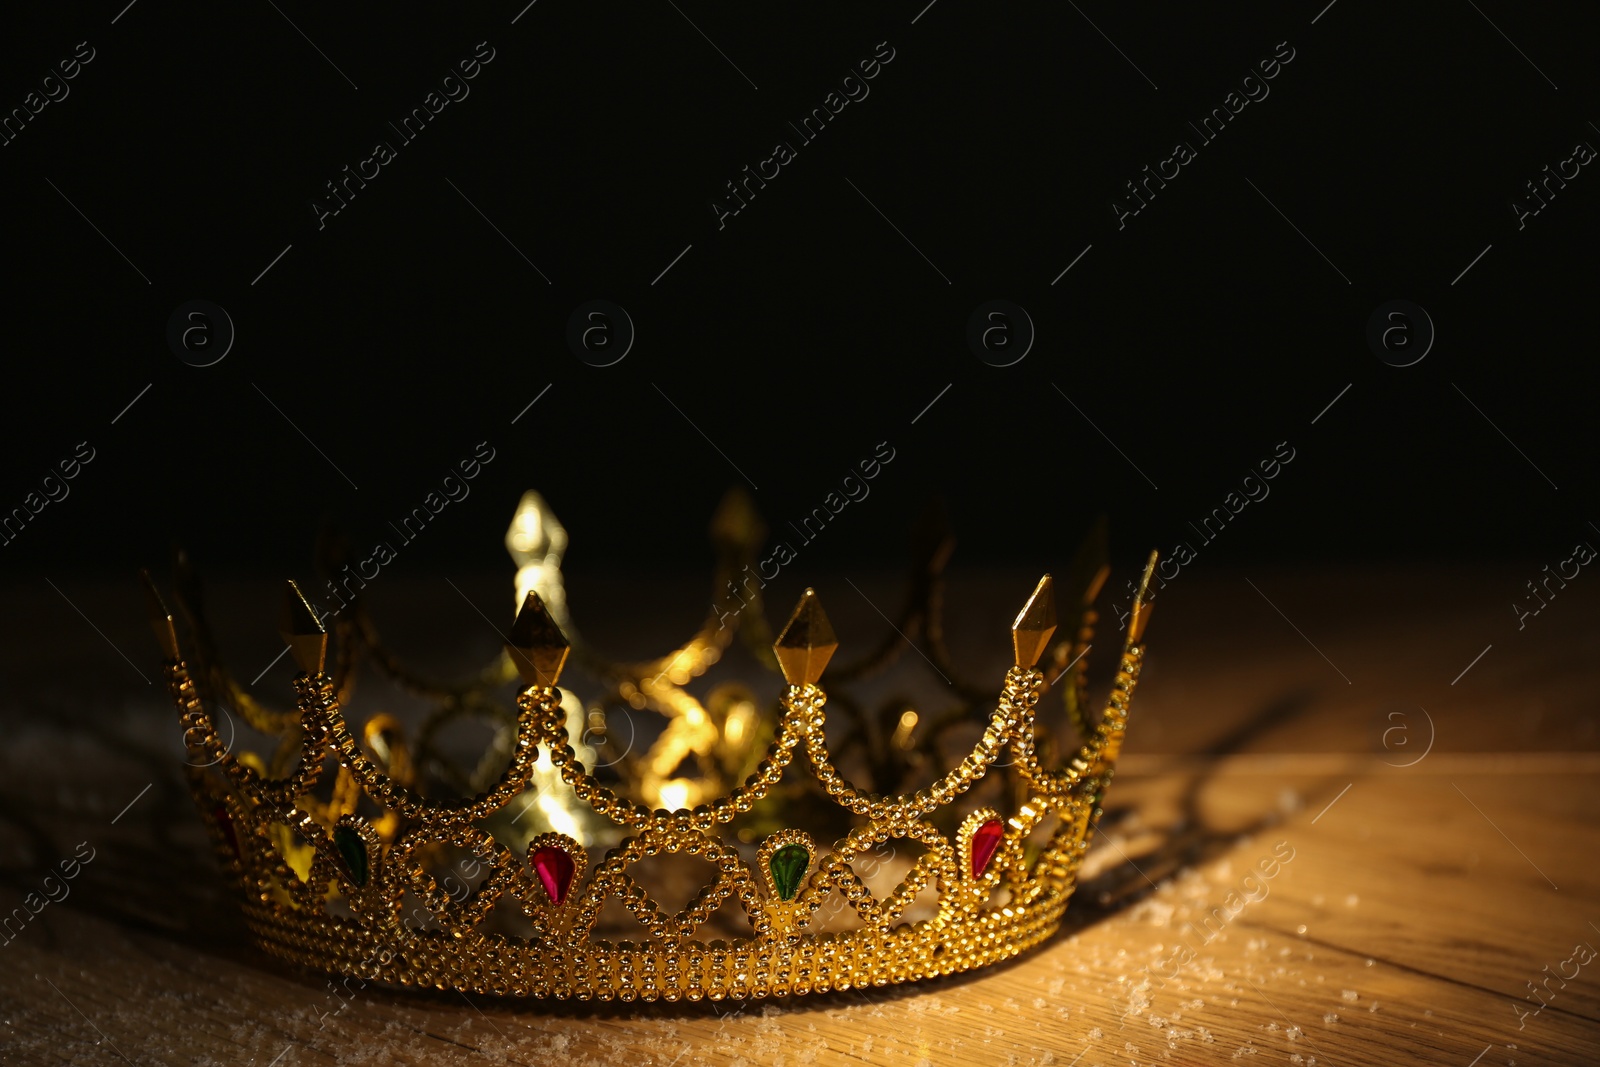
x=336, y=840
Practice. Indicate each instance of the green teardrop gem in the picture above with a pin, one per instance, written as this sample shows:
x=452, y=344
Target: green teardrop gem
x=353, y=850
x=789, y=865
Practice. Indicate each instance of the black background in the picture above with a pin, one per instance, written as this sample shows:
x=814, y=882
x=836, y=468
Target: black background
x=807, y=330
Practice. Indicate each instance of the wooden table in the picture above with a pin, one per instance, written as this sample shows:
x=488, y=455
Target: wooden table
x=1411, y=908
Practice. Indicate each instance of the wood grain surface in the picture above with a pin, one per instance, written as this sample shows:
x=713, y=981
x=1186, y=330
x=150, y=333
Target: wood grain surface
x=1432, y=846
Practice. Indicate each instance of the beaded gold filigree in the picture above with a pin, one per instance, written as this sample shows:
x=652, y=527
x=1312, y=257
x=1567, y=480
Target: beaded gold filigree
x=327, y=883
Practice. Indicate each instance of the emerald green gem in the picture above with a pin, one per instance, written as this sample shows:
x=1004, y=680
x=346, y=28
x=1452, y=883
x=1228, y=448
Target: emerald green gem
x=789, y=865
x=353, y=850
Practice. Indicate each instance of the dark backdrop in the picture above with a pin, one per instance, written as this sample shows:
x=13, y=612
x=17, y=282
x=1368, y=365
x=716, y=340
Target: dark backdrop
x=377, y=348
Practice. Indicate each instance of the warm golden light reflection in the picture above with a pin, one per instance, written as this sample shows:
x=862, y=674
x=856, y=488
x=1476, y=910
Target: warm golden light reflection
x=536, y=541
x=902, y=732
x=737, y=726
x=560, y=817
x=556, y=807
x=678, y=794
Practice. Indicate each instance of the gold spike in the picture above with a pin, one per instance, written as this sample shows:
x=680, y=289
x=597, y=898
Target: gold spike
x=537, y=645
x=1097, y=583
x=536, y=536
x=736, y=524
x=160, y=617
x=1035, y=624
x=806, y=643
x=1142, y=606
x=298, y=625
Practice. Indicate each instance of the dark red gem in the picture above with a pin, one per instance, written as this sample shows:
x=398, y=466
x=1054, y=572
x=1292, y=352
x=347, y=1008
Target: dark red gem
x=555, y=869
x=985, y=842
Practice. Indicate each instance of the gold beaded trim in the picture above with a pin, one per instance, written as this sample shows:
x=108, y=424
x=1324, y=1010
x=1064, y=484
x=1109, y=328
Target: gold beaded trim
x=291, y=855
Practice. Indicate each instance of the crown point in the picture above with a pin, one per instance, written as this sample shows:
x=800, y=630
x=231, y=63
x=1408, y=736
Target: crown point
x=298, y=625
x=160, y=617
x=806, y=643
x=535, y=536
x=1035, y=624
x=1096, y=583
x=736, y=523
x=537, y=645
x=1141, y=603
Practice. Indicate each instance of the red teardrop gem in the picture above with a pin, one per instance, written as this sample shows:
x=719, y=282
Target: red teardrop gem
x=985, y=841
x=225, y=824
x=554, y=868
